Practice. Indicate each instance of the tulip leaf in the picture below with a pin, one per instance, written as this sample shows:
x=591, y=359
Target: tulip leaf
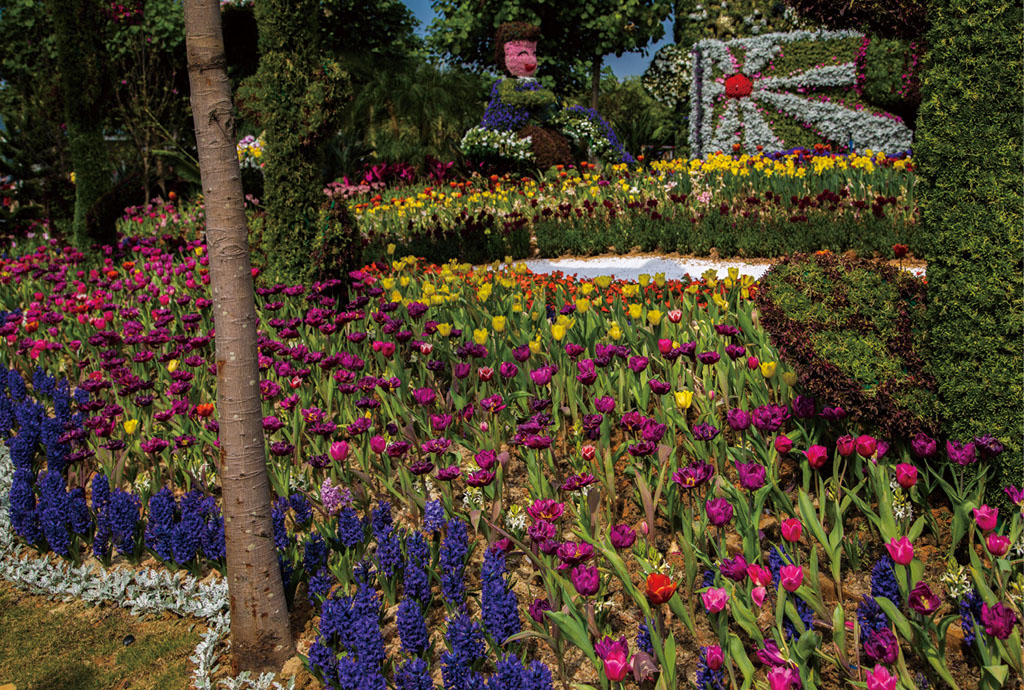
x=740, y=658
x=574, y=631
x=811, y=519
x=746, y=619
x=897, y=617
x=998, y=673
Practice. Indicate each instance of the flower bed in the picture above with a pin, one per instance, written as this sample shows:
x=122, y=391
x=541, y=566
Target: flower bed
x=544, y=479
x=762, y=205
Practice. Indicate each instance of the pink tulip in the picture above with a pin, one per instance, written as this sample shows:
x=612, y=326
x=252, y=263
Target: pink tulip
x=906, y=475
x=986, y=517
x=866, y=446
x=900, y=550
x=845, y=445
x=378, y=444
x=339, y=451
x=783, y=445
x=759, y=575
x=758, y=594
x=715, y=599
x=791, y=529
x=783, y=678
x=791, y=577
x=816, y=456
x=616, y=667
x=714, y=656
x=997, y=544
x=674, y=315
x=880, y=679
x=753, y=362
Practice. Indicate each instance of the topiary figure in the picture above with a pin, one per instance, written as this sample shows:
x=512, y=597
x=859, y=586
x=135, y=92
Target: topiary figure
x=521, y=108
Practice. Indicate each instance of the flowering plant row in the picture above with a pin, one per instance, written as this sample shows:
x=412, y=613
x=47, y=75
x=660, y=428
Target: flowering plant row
x=762, y=205
x=637, y=470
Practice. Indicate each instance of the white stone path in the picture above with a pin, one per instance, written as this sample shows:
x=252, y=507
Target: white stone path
x=630, y=267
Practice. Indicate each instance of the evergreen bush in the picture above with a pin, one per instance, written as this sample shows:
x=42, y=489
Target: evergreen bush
x=969, y=152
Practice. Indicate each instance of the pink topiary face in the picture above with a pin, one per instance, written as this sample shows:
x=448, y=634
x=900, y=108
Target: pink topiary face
x=521, y=58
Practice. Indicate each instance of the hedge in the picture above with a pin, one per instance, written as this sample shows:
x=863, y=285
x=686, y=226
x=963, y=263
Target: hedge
x=969, y=152
x=853, y=330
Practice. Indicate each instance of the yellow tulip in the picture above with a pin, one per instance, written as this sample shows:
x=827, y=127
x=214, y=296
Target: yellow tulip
x=387, y=283
x=396, y=296
x=498, y=324
x=479, y=336
x=630, y=290
x=535, y=347
x=130, y=425
x=172, y=365
x=438, y=299
x=444, y=329
x=684, y=399
x=654, y=317
x=404, y=281
x=557, y=331
x=603, y=282
x=635, y=311
x=644, y=279
x=790, y=378
x=693, y=288
x=727, y=282
x=391, y=249
x=734, y=273
x=659, y=279
x=484, y=293
x=768, y=369
x=615, y=333
x=586, y=289
x=517, y=307
x=720, y=301
x=429, y=289
x=582, y=305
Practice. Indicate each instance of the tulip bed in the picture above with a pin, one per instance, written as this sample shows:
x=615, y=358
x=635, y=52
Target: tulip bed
x=488, y=478
x=761, y=205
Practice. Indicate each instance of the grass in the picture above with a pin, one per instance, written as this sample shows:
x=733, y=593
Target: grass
x=47, y=645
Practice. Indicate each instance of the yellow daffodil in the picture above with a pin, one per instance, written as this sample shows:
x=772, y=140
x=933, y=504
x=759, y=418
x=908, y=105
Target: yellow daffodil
x=498, y=324
x=684, y=399
x=479, y=336
x=130, y=425
x=654, y=317
x=768, y=369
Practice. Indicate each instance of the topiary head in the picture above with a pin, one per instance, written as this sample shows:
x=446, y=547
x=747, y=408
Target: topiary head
x=515, y=48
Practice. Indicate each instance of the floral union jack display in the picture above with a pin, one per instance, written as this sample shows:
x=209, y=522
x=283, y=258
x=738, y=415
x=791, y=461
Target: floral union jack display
x=743, y=89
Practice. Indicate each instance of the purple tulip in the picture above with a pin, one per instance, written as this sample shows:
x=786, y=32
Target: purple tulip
x=637, y=364
x=803, y=407
x=882, y=646
x=769, y=418
x=833, y=414
x=586, y=372
x=586, y=579
x=622, y=536
x=653, y=431
x=424, y=396
x=988, y=446
x=705, y=432
x=521, y=353
x=752, y=475
x=923, y=600
x=461, y=370
x=719, y=511
x=961, y=453
x=537, y=609
x=738, y=420
x=508, y=370
x=577, y=482
x=574, y=350
x=604, y=404
x=735, y=351
x=999, y=620
x=923, y=446
x=659, y=387
x=734, y=568
x=708, y=358
x=692, y=476
x=447, y=474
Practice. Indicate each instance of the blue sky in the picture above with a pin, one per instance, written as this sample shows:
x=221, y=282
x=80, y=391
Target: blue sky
x=628, y=65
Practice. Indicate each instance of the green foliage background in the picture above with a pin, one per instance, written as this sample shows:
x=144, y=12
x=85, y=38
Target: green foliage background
x=969, y=152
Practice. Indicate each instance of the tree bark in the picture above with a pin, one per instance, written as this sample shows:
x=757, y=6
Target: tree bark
x=260, y=634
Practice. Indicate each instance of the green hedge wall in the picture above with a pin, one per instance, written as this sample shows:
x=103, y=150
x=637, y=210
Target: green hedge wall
x=969, y=156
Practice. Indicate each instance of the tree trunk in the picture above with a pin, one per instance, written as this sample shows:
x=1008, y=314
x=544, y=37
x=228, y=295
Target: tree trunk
x=595, y=81
x=260, y=634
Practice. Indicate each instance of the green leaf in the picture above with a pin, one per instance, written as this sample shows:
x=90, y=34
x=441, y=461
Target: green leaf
x=574, y=632
x=740, y=658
